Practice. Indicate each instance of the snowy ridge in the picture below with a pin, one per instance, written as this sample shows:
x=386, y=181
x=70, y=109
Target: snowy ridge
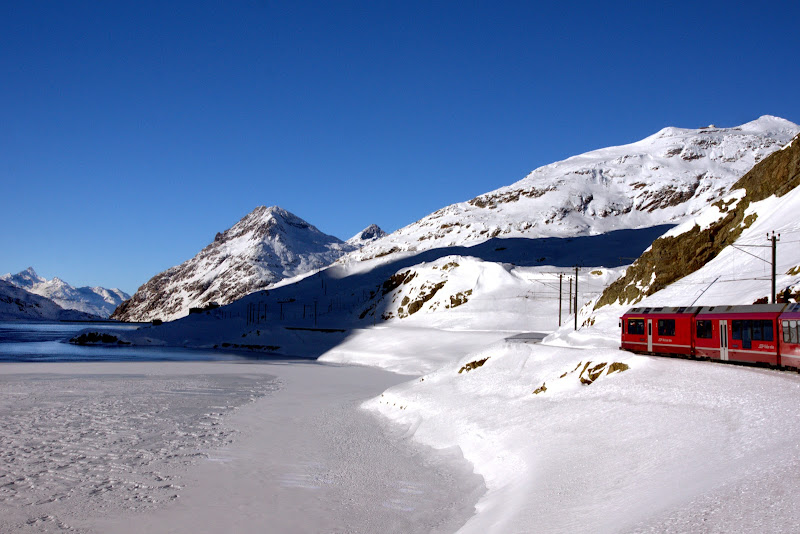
x=267, y=245
x=664, y=178
x=97, y=301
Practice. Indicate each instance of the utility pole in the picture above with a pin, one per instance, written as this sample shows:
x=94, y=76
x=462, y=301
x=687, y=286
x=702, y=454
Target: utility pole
x=576, y=297
x=570, y=296
x=560, y=276
x=774, y=238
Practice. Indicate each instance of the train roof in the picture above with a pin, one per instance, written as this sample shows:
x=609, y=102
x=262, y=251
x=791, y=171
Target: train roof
x=793, y=307
x=663, y=309
x=750, y=308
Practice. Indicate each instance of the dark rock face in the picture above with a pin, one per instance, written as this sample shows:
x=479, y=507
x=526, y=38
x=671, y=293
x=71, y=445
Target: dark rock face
x=674, y=257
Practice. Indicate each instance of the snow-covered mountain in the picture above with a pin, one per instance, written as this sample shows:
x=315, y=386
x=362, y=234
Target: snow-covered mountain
x=366, y=236
x=97, y=301
x=664, y=178
x=19, y=304
x=267, y=245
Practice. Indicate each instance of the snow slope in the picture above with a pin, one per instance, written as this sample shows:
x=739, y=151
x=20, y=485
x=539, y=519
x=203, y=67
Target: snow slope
x=443, y=298
x=673, y=174
x=267, y=245
x=97, y=301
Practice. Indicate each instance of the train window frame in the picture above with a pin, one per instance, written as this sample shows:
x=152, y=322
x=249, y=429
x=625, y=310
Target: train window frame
x=707, y=331
x=666, y=327
x=635, y=323
x=793, y=331
x=785, y=328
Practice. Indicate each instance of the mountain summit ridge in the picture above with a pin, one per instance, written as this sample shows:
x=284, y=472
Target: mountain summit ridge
x=662, y=179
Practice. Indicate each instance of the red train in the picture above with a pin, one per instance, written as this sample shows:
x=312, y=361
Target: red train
x=761, y=334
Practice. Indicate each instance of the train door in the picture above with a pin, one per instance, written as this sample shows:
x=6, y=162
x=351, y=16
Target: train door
x=649, y=335
x=723, y=340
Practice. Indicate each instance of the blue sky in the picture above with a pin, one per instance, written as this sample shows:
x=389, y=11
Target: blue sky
x=131, y=133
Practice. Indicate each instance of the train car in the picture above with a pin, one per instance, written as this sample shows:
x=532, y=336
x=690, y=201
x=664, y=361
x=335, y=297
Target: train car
x=789, y=336
x=659, y=330
x=746, y=334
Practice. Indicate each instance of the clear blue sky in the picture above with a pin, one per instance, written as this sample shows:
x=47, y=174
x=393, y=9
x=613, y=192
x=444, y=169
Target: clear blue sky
x=130, y=133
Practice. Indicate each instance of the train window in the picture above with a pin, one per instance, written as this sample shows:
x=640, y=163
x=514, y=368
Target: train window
x=704, y=329
x=636, y=327
x=666, y=327
x=785, y=325
x=736, y=329
x=792, y=331
x=757, y=330
x=767, y=329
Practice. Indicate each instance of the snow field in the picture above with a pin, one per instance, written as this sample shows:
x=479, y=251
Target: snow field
x=609, y=456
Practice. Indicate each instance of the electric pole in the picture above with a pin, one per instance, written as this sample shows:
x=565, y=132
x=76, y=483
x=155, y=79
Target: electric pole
x=774, y=238
x=576, y=297
x=569, y=301
x=560, y=276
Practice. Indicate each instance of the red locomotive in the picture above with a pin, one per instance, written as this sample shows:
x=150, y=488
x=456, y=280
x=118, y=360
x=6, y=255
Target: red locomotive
x=765, y=334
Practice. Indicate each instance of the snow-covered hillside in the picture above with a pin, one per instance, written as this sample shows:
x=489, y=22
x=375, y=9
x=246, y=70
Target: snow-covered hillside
x=664, y=178
x=97, y=301
x=574, y=435
x=16, y=304
x=445, y=297
x=267, y=245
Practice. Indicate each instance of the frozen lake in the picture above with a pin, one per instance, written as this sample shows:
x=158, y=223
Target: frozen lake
x=43, y=342
x=163, y=442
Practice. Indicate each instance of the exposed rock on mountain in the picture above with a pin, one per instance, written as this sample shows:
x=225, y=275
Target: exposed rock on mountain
x=690, y=246
x=18, y=304
x=366, y=236
x=267, y=245
x=97, y=301
x=664, y=178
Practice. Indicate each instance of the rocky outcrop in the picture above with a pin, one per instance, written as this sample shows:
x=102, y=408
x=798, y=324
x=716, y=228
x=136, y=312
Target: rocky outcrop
x=370, y=234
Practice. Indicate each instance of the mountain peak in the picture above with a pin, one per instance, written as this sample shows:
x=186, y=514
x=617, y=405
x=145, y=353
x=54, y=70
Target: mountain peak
x=371, y=233
x=265, y=246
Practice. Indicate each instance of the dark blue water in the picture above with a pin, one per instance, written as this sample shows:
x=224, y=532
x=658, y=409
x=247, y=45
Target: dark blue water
x=46, y=342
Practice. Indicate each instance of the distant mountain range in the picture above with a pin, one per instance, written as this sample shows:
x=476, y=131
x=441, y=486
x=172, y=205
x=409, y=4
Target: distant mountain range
x=17, y=304
x=95, y=301
x=266, y=246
